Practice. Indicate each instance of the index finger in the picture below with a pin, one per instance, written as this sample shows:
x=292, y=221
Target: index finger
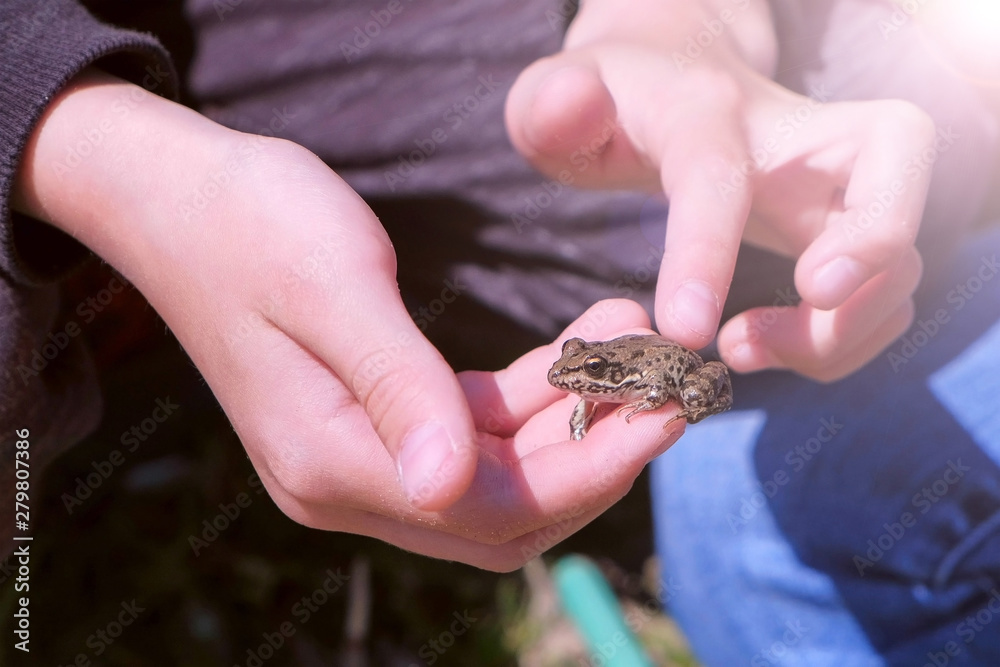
x=502, y=401
x=708, y=211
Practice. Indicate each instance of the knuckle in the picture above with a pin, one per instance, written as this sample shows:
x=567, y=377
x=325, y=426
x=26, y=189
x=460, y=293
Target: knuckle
x=714, y=88
x=374, y=252
x=718, y=164
x=383, y=365
x=385, y=386
x=296, y=479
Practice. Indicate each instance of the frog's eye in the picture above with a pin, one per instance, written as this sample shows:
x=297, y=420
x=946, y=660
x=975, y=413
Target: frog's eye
x=595, y=366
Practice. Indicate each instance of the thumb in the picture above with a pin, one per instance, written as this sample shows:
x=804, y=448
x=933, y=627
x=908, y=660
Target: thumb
x=415, y=404
x=357, y=324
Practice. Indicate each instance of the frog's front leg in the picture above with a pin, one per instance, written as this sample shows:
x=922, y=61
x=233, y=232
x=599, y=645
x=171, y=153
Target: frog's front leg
x=654, y=399
x=580, y=420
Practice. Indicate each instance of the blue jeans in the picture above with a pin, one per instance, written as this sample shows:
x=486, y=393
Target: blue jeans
x=852, y=523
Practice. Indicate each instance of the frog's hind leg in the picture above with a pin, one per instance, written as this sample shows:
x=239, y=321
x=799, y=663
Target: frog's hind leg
x=707, y=392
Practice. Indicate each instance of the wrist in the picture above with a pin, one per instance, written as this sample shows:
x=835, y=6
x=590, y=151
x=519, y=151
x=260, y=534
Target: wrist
x=109, y=161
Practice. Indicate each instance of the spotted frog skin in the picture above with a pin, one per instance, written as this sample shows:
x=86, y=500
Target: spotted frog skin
x=642, y=371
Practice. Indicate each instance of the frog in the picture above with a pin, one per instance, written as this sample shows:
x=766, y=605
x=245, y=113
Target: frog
x=643, y=371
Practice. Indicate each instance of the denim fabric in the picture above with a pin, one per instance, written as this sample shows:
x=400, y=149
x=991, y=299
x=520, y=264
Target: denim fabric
x=852, y=523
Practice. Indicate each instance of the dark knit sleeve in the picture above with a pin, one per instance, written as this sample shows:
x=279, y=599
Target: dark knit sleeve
x=48, y=384
x=42, y=46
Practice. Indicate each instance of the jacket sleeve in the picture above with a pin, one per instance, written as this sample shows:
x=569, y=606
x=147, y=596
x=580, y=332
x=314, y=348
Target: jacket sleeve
x=48, y=384
x=44, y=45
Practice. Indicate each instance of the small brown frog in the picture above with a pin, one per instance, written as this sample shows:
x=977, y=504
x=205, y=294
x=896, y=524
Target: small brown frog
x=642, y=371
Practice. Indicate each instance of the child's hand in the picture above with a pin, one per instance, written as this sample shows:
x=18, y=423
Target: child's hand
x=533, y=487
x=275, y=276
x=280, y=283
x=840, y=187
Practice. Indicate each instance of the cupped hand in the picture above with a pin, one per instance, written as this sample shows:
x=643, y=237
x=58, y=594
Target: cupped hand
x=275, y=276
x=840, y=187
x=533, y=487
x=305, y=341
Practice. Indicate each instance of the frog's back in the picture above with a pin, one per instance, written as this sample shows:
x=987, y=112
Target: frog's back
x=648, y=353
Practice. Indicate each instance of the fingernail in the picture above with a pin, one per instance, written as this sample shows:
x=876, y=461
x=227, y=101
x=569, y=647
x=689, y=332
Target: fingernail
x=839, y=278
x=696, y=306
x=424, y=451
